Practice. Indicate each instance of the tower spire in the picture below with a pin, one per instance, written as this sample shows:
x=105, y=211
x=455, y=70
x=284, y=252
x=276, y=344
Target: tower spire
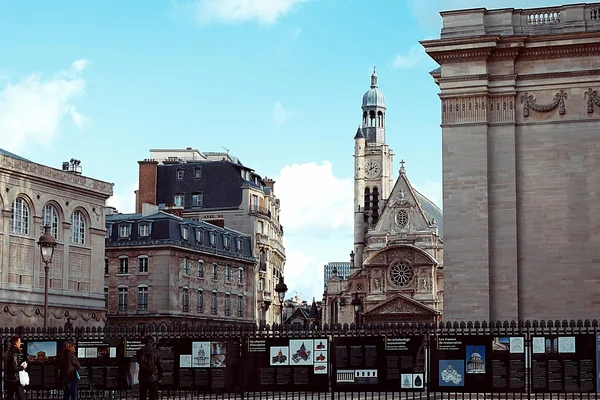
x=374, y=78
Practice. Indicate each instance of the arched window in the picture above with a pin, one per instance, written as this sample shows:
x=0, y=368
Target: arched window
x=365, y=118
x=371, y=118
x=19, y=217
x=380, y=119
x=77, y=228
x=200, y=301
x=185, y=299
x=367, y=204
x=50, y=217
x=375, y=205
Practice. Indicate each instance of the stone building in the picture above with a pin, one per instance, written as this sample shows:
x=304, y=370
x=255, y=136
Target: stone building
x=521, y=176
x=396, y=262
x=31, y=196
x=340, y=269
x=160, y=268
x=217, y=187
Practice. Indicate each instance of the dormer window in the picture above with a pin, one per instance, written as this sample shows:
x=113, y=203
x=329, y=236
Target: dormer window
x=178, y=200
x=226, y=241
x=179, y=174
x=199, y=236
x=197, y=173
x=213, y=239
x=185, y=232
x=240, y=245
x=124, y=231
x=144, y=229
x=197, y=200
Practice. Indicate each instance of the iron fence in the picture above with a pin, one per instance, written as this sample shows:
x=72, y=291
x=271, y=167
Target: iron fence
x=430, y=334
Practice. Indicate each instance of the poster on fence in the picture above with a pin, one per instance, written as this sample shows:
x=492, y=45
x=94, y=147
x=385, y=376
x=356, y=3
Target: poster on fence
x=405, y=364
x=287, y=364
x=42, y=360
x=206, y=365
x=563, y=363
x=358, y=364
x=478, y=364
x=101, y=361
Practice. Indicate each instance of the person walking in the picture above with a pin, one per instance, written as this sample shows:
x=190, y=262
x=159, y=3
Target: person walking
x=151, y=369
x=13, y=364
x=69, y=371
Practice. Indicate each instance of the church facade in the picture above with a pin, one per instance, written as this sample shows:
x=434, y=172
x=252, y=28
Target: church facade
x=396, y=269
x=520, y=113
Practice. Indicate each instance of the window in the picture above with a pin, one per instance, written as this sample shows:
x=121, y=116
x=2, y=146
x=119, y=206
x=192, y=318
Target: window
x=19, y=217
x=254, y=203
x=227, y=273
x=108, y=231
x=123, y=298
x=106, y=298
x=199, y=236
x=261, y=284
x=240, y=275
x=261, y=228
x=240, y=245
x=214, y=303
x=197, y=200
x=185, y=232
x=180, y=174
x=197, y=173
x=106, y=264
x=123, y=265
x=213, y=239
x=50, y=217
x=124, y=231
x=143, y=264
x=77, y=228
x=186, y=266
x=178, y=200
x=144, y=230
x=240, y=309
x=143, y=298
x=226, y=241
x=214, y=272
x=200, y=301
x=200, y=269
x=186, y=299
x=227, y=304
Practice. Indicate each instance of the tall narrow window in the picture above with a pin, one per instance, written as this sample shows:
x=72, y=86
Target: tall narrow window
x=197, y=173
x=226, y=241
x=106, y=298
x=227, y=273
x=179, y=174
x=254, y=203
x=227, y=304
x=106, y=264
x=213, y=239
x=123, y=265
x=240, y=245
x=240, y=276
x=200, y=269
x=50, y=217
x=200, y=301
x=186, y=300
x=186, y=266
x=77, y=228
x=240, y=306
x=214, y=303
x=143, y=264
x=143, y=298
x=123, y=298
x=19, y=217
x=197, y=200
x=214, y=272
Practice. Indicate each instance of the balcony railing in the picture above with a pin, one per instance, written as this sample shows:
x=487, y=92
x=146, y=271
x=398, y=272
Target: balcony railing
x=254, y=209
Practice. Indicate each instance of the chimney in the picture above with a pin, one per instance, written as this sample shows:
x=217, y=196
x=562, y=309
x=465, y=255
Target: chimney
x=149, y=209
x=172, y=209
x=147, y=184
x=270, y=183
x=220, y=222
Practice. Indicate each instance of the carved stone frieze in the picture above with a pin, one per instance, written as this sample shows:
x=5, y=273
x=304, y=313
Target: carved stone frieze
x=592, y=98
x=529, y=102
x=397, y=306
x=464, y=109
x=502, y=109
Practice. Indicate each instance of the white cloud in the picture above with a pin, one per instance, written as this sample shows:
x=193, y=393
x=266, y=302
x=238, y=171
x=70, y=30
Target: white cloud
x=236, y=11
x=314, y=199
x=280, y=113
x=432, y=190
x=411, y=59
x=31, y=110
x=123, y=200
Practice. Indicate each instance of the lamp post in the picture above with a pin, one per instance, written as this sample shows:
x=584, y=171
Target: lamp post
x=356, y=303
x=47, y=244
x=281, y=288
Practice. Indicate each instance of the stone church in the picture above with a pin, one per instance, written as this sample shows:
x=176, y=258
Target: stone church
x=396, y=263
x=520, y=117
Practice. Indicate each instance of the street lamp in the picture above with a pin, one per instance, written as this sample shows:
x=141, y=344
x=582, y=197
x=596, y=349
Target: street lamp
x=47, y=244
x=281, y=288
x=356, y=303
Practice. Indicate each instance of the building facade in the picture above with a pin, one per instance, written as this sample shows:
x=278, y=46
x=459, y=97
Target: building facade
x=341, y=269
x=31, y=196
x=218, y=188
x=160, y=269
x=521, y=177
x=396, y=268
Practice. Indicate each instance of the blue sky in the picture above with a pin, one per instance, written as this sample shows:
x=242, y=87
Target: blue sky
x=277, y=82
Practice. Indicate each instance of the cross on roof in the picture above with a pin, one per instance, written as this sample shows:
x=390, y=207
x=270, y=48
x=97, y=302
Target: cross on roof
x=402, y=163
x=374, y=67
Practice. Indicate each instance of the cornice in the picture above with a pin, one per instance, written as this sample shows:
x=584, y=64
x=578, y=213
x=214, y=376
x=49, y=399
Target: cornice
x=563, y=51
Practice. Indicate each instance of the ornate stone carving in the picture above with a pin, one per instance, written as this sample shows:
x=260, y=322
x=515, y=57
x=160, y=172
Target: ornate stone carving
x=502, y=109
x=397, y=306
x=592, y=98
x=529, y=102
x=464, y=109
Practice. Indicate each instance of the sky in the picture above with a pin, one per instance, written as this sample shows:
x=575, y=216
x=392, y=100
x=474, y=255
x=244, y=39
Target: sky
x=278, y=83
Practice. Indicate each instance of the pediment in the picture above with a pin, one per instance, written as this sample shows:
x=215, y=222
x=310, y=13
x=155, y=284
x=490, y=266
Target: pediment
x=414, y=255
x=401, y=304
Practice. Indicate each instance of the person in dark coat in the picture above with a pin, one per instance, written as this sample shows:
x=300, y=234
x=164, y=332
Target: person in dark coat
x=69, y=371
x=151, y=369
x=14, y=362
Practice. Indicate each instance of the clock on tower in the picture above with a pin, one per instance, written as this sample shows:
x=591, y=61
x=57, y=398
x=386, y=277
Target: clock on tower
x=372, y=169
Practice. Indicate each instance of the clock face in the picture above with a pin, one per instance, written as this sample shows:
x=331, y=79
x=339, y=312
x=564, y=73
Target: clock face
x=372, y=169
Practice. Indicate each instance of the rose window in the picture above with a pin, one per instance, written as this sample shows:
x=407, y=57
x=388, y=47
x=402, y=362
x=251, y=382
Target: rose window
x=402, y=218
x=401, y=273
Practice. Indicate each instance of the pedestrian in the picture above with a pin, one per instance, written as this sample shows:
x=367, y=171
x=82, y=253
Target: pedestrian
x=151, y=369
x=13, y=364
x=69, y=371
